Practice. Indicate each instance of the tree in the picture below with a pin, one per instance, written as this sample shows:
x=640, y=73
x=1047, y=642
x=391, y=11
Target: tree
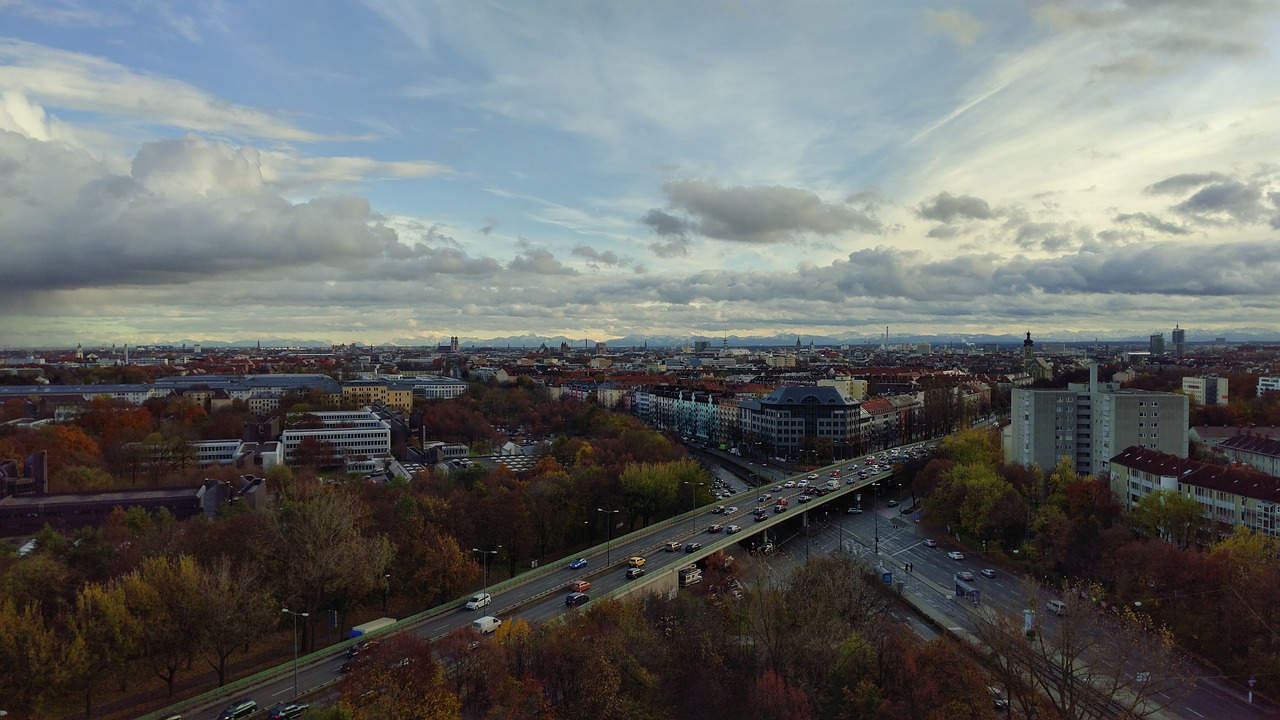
x=399, y=679
x=234, y=610
x=34, y=659
x=108, y=631
x=164, y=595
x=1087, y=663
x=1168, y=515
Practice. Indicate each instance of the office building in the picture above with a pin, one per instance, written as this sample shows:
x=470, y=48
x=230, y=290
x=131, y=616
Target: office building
x=1156, y=346
x=1206, y=390
x=1179, y=341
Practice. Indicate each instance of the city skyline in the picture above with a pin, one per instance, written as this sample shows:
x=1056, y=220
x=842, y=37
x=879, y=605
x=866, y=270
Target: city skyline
x=397, y=172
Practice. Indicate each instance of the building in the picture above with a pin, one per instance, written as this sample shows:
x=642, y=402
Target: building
x=1268, y=384
x=1090, y=423
x=1179, y=341
x=1209, y=390
x=1228, y=496
x=347, y=434
x=787, y=416
x=1257, y=450
x=1156, y=345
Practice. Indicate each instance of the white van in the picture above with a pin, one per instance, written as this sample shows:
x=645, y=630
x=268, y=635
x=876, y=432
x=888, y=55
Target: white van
x=1057, y=607
x=486, y=624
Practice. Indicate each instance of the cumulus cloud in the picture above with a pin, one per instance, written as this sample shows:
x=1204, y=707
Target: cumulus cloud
x=183, y=210
x=608, y=258
x=539, y=261
x=665, y=223
x=1179, y=184
x=761, y=214
x=1231, y=199
x=947, y=208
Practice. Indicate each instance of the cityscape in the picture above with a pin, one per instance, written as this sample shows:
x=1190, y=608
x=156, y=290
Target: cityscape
x=861, y=361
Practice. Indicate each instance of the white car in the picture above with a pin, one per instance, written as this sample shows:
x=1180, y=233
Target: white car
x=955, y=555
x=731, y=510
x=731, y=529
x=478, y=601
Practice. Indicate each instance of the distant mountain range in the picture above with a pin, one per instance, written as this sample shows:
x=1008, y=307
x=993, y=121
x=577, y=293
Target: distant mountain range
x=1233, y=336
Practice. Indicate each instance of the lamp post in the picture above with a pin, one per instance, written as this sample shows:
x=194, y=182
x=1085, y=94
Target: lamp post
x=608, y=547
x=875, y=512
x=295, y=615
x=694, y=506
x=386, y=585
x=486, y=554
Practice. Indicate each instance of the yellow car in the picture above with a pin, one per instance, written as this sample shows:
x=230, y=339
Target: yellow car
x=636, y=561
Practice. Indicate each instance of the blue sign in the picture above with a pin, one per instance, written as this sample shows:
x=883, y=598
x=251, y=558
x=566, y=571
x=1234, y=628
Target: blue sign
x=888, y=578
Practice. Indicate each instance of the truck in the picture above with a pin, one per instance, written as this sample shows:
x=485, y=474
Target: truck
x=832, y=485
x=690, y=575
x=371, y=626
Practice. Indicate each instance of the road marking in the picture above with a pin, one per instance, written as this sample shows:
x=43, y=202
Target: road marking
x=1193, y=711
x=288, y=689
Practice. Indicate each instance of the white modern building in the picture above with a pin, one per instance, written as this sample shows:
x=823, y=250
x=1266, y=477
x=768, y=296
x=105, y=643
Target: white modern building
x=350, y=434
x=1209, y=390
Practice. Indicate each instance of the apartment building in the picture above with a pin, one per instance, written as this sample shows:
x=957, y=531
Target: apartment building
x=1254, y=449
x=1268, y=384
x=1209, y=390
x=1090, y=423
x=788, y=415
x=1228, y=495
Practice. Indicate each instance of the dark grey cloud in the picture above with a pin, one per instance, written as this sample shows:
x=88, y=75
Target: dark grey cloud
x=1151, y=221
x=760, y=213
x=1180, y=184
x=677, y=246
x=947, y=208
x=490, y=224
x=665, y=224
x=1233, y=199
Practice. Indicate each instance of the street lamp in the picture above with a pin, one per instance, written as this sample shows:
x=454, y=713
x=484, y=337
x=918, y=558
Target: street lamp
x=295, y=615
x=608, y=547
x=875, y=512
x=386, y=585
x=486, y=554
x=694, y=505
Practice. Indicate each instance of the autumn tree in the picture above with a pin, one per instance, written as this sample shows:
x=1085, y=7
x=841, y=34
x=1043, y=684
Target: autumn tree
x=234, y=609
x=34, y=659
x=1168, y=515
x=399, y=679
x=103, y=624
x=164, y=595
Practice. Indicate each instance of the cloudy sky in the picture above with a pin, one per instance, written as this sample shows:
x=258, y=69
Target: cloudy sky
x=402, y=170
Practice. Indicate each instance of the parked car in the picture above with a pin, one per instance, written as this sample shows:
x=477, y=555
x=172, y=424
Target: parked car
x=987, y=572
x=239, y=709
x=634, y=572
x=579, y=586
x=892, y=503
x=635, y=561
x=906, y=510
x=287, y=710
x=1057, y=607
x=955, y=555
x=855, y=510
x=478, y=601
x=576, y=599
x=671, y=546
x=930, y=542
x=578, y=564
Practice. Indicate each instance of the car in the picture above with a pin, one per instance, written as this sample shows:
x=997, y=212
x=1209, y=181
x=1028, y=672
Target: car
x=478, y=601
x=1001, y=703
x=789, y=484
x=731, y=529
x=578, y=564
x=777, y=488
x=855, y=510
x=717, y=509
x=965, y=575
x=955, y=555
x=803, y=499
x=906, y=510
x=579, y=586
x=671, y=546
x=576, y=599
x=731, y=510
x=693, y=547
x=634, y=572
x=930, y=542
x=765, y=498
x=813, y=476
x=1057, y=607
x=987, y=572
x=287, y=710
x=779, y=508
x=760, y=517
x=862, y=474
x=635, y=561
x=802, y=484
x=892, y=503
x=715, y=528
x=239, y=709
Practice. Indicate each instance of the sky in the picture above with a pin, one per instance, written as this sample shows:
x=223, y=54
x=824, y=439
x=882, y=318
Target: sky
x=398, y=171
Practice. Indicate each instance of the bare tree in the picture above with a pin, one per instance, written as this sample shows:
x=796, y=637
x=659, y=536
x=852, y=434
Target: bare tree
x=1086, y=660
